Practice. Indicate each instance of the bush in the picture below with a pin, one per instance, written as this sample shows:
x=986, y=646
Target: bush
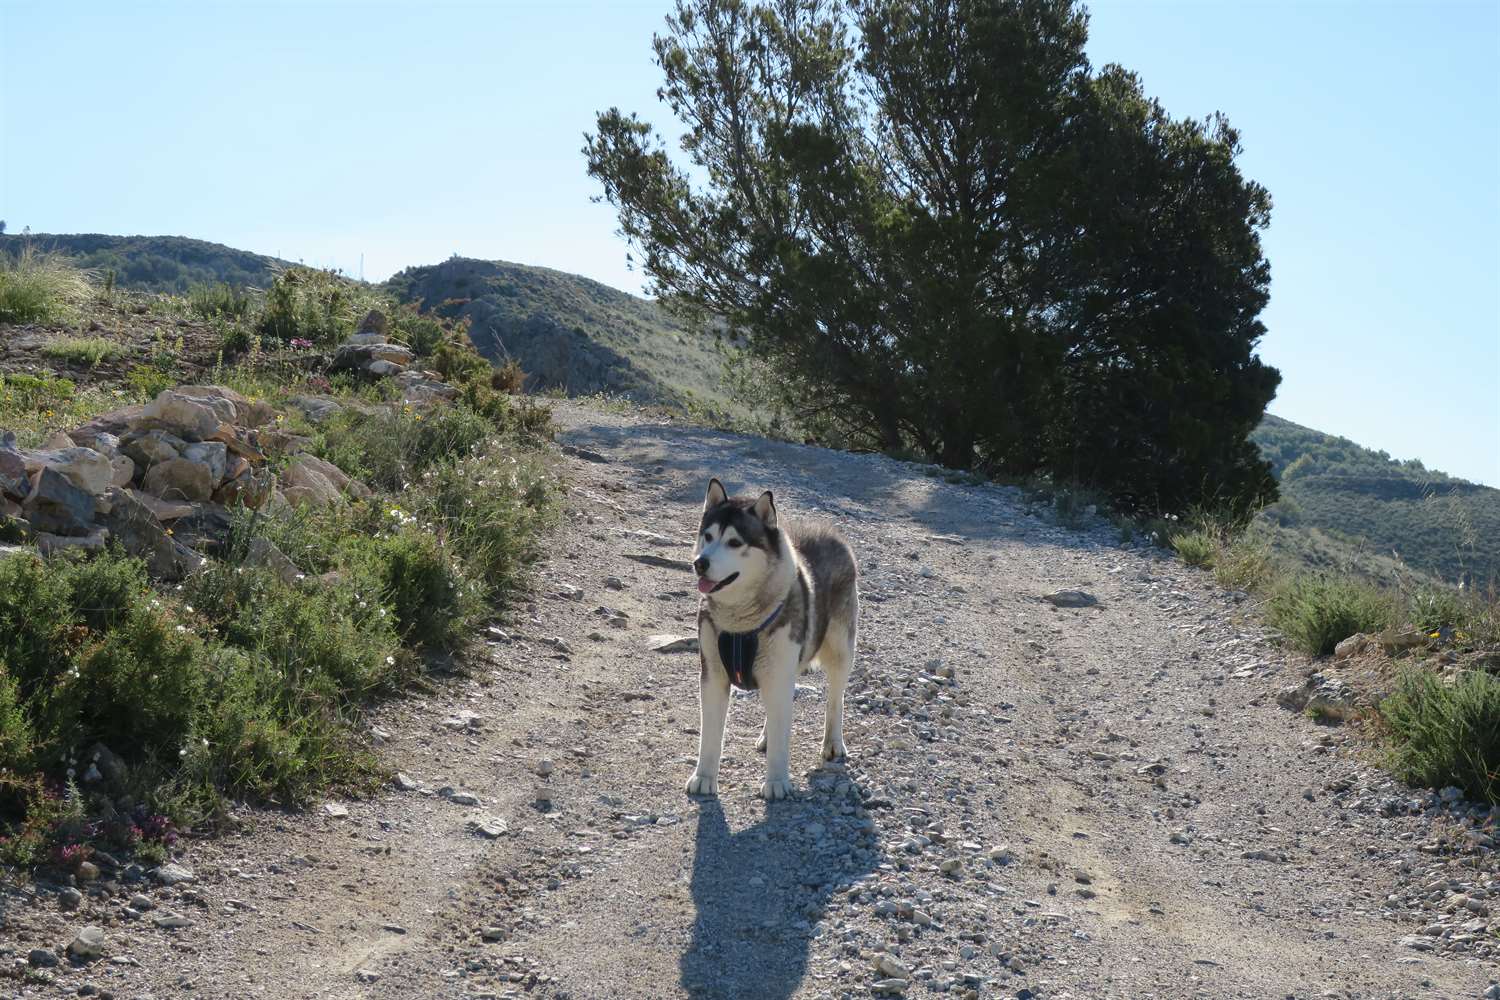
x=86, y=351
x=1317, y=613
x=1433, y=608
x=39, y=288
x=306, y=304
x=509, y=377
x=434, y=604
x=219, y=300
x=1197, y=548
x=391, y=450
x=1243, y=564
x=422, y=333
x=1447, y=734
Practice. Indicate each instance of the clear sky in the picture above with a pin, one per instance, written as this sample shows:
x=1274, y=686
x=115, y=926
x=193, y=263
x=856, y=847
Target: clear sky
x=408, y=132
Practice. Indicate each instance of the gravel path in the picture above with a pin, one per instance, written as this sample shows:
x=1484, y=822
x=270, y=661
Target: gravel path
x=1093, y=802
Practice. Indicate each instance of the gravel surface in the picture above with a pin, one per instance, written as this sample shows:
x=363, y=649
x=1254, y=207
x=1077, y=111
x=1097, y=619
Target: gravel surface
x=1043, y=799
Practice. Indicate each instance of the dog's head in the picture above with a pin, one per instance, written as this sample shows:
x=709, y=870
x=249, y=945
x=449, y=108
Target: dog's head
x=738, y=542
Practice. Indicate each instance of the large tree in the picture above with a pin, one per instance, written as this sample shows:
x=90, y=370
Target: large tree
x=945, y=232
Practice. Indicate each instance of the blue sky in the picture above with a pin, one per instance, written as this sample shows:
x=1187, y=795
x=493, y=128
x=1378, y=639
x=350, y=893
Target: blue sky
x=408, y=132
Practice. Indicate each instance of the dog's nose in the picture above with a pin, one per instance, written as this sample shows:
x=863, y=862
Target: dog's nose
x=700, y=566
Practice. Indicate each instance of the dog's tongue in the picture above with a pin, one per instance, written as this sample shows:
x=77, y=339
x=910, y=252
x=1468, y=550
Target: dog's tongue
x=705, y=584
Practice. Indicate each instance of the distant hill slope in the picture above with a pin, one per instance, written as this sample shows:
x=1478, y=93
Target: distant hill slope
x=1342, y=503
x=570, y=332
x=154, y=263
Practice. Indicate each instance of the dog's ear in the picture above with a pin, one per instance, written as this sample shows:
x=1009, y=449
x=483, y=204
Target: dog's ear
x=716, y=495
x=765, y=509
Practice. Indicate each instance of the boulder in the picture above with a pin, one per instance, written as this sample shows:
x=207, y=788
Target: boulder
x=315, y=408
x=140, y=533
x=50, y=545
x=152, y=447
x=56, y=440
x=238, y=441
x=164, y=510
x=9, y=508
x=374, y=322
x=83, y=467
x=13, y=479
x=380, y=368
x=179, y=479
x=192, y=418
x=57, y=506
x=1352, y=646
x=358, y=357
x=213, y=454
x=265, y=554
x=360, y=339
x=418, y=389
x=206, y=529
x=115, y=422
x=247, y=488
x=303, y=482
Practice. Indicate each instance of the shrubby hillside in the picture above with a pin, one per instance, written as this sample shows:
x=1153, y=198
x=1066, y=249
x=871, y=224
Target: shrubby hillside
x=154, y=263
x=1345, y=505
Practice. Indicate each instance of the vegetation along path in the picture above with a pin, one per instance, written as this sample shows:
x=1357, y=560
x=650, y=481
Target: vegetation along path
x=1040, y=801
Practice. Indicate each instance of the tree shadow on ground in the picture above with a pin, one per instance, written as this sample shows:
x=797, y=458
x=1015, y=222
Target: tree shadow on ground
x=759, y=893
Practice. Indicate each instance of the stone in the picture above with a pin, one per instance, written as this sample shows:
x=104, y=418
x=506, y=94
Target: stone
x=545, y=767
x=172, y=921
x=179, y=479
x=140, y=533
x=14, y=481
x=464, y=799
x=890, y=985
x=69, y=897
x=888, y=965
x=380, y=368
x=49, y=544
x=42, y=958
x=213, y=454
x=121, y=469
x=303, y=483
x=335, y=810
x=89, y=943
x=316, y=409
x=262, y=552
x=489, y=827
x=239, y=410
x=359, y=339
x=141, y=901
x=58, y=506
x=1321, y=696
x=163, y=510
x=374, y=322
x=245, y=444
x=404, y=782
x=172, y=874
x=358, y=357
x=248, y=489
x=1071, y=599
x=493, y=933
x=673, y=643
x=367, y=975
x=152, y=447
x=191, y=418
x=1352, y=646
x=87, y=871
x=83, y=467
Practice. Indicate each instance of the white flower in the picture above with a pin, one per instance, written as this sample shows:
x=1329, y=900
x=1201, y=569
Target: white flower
x=189, y=609
x=182, y=628
x=390, y=661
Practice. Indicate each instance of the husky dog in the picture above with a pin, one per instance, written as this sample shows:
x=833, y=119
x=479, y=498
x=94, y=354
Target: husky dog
x=774, y=599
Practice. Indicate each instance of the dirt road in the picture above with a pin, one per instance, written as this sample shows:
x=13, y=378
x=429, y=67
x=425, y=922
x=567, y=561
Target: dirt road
x=1100, y=802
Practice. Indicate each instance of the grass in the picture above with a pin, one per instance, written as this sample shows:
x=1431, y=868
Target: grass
x=87, y=352
x=38, y=287
x=1447, y=734
x=219, y=300
x=1316, y=613
x=1197, y=548
x=36, y=405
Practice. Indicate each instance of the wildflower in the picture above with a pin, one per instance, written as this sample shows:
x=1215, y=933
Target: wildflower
x=390, y=661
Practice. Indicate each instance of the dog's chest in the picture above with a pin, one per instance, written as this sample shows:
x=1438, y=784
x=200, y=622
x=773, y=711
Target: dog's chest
x=737, y=651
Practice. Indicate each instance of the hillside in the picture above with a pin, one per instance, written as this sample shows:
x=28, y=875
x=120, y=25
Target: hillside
x=154, y=263
x=1346, y=506
x=569, y=332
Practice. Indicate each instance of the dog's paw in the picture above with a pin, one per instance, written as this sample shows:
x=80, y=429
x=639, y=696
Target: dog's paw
x=703, y=784
x=834, y=750
x=773, y=789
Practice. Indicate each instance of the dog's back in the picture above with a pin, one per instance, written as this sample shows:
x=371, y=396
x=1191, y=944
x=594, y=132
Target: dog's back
x=833, y=577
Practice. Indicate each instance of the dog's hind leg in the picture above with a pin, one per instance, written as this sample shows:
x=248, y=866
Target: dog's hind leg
x=837, y=659
x=713, y=704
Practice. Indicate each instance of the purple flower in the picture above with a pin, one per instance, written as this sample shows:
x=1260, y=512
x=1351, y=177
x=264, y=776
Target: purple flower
x=299, y=342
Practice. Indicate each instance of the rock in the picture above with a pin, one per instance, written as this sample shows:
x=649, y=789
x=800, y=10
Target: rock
x=404, y=782
x=887, y=965
x=69, y=897
x=673, y=643
x=898, y=986
x=464, y=799
x=140, y=533
x=328, y=471
x=141, y=901
x=122, y=469
x=87, y=871
x=48, y=544
x=1416, y=942
x=152, y=447
x=88, y=944
x=380, y=368
x=1394, y=640
x=1352, y=646
x=192, y=419
x=172, y=921
x=172, y=874
x=335, y=810
x=316, y=409
x=374, y=322
x=1071, y=599
x=262, y=552
x=213, y=454
x=14, y=481
x=489, y=827
x=545, y=767
x=239, y=410
x=493, y=934
x=239, y=442
x=303, y=483
x=367, y=975
x=1263, y=855
x=85, y=468
x=1320, y=696
x=42, y=958
x=1002, y=855
x=418, y=390
x=179, y=479
x=359, y=357
x=248, y=489
x=58, y=506
x=614, y=583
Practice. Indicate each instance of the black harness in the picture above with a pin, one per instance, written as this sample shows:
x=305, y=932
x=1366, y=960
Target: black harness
x=737, y=652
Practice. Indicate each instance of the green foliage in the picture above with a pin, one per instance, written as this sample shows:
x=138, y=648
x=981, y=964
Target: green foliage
x=1433, y=608
x=1244, y=563
x=88, y=352
x=219, y=300
x=1316, y=613
x=1350, y=508
x=36, y=405
x=39, y=287
x=423, y=333
x=307, y=304
x=392, y=450
x=1447, y=734
x=435, y=605
x=912, y=318
x=16, y=738
x=1197, y=548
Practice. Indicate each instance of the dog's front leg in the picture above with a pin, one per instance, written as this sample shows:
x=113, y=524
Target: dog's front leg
x=713, y=708
x=776, y=693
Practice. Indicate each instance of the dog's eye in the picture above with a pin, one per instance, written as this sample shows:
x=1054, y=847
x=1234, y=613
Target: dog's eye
x=734, y=543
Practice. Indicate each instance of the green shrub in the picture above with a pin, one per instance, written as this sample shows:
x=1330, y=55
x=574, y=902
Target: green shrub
x=1432, y=608
x=219, y=300
x=1243, y=564
x=434, y=604
x=307, y=304
x=390, y=450
x=1316, y=613
x=459, y=362
x=38, y=287
x=422, y=333
x=1444, y=734
x=236, y=340
x=15, y=731
x=87, y=351
x=1197, y=548
x=148, y=381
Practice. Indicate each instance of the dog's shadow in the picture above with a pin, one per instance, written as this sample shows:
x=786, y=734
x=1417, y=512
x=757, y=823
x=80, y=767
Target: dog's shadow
x=760, y=893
